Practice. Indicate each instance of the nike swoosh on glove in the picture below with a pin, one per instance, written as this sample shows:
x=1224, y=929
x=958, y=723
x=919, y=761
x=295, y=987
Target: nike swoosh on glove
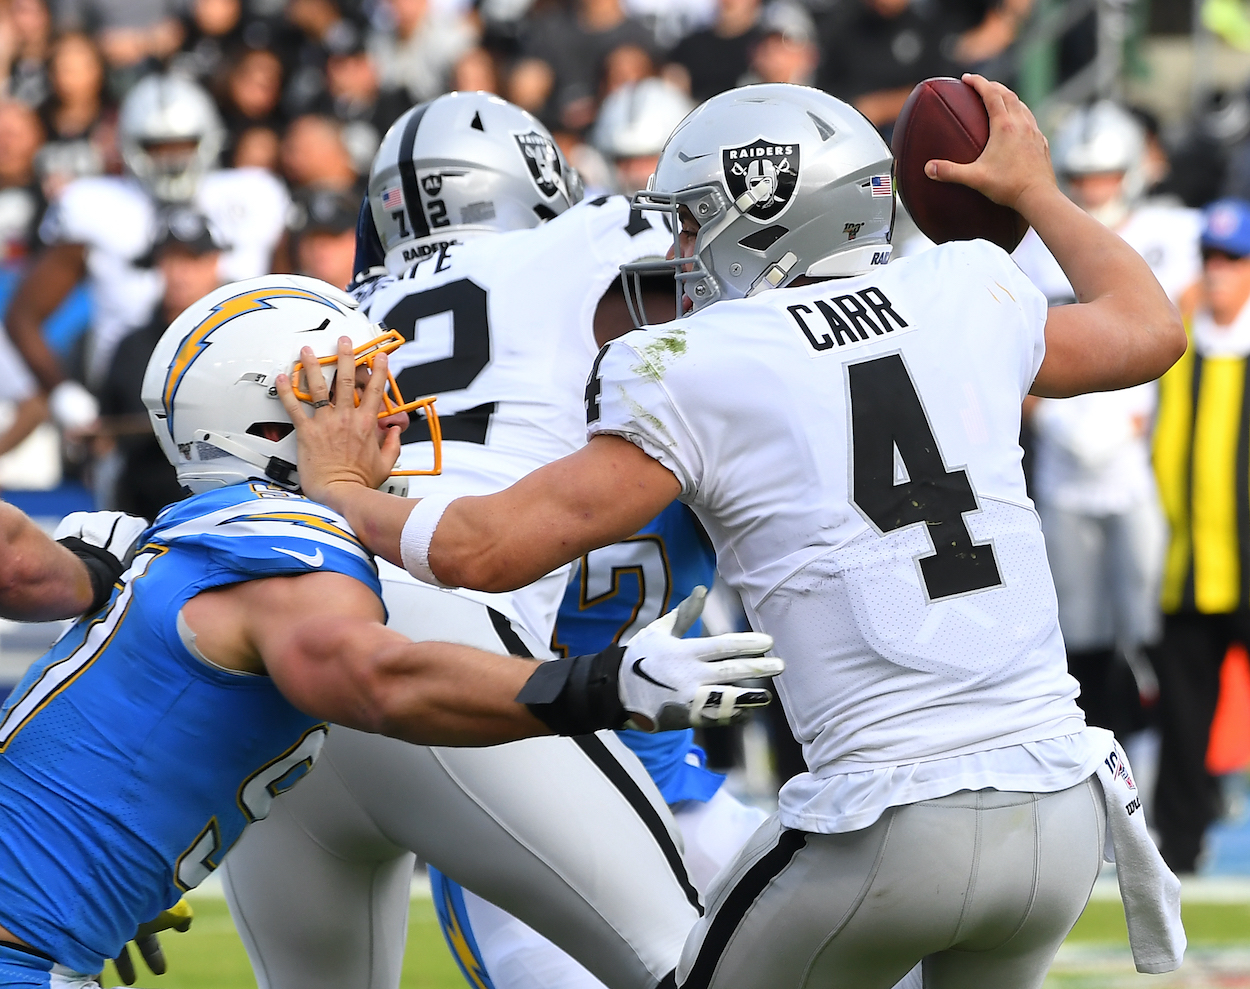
x=105, y=542
x=680, y=683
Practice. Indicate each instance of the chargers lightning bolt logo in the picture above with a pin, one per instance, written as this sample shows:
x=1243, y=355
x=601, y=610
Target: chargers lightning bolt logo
x=195, y=342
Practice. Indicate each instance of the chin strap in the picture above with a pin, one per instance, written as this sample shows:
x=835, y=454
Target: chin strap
x=276, y=469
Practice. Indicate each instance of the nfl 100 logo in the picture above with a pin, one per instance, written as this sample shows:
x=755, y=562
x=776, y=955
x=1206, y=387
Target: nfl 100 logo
x=761, y=176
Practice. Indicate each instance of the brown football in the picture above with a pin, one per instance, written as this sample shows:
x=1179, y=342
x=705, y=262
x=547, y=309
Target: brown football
x=945, y=118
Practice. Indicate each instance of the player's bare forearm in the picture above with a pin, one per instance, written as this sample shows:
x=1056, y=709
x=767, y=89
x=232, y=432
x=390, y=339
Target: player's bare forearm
x=30, y=414
x=320, y=637
x=45, y=287
x=368, y=677
x=39, y=579
x=377, y=518
x=437, y=693
x=606, y=491
x=1123, y=330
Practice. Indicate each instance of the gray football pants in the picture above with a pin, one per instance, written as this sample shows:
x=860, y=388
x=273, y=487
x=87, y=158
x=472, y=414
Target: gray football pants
x=569, y=835
x=982, y=887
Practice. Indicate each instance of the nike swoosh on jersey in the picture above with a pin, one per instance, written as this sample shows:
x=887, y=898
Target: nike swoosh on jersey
x=639, y=671
x=313, y=561
x=685, y=157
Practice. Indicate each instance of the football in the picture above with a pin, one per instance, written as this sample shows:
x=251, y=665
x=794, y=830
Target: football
x=945, y=118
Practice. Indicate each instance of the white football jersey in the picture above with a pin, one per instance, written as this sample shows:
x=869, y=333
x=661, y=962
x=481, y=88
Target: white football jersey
x=116, y=219
x=852, y=449
x=502, y=332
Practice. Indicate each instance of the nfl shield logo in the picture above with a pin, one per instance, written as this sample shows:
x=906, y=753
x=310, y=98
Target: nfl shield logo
x=761, y=177
x=540, y=155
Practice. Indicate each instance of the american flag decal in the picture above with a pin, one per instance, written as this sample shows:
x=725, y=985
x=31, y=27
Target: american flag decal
x=394, y=198
x=881, y=185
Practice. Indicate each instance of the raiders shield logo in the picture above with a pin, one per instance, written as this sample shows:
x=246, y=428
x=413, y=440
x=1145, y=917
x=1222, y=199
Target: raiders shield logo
x=540, y=155
x=761, y=177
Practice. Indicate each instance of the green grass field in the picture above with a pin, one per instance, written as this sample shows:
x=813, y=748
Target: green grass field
x=210, y=956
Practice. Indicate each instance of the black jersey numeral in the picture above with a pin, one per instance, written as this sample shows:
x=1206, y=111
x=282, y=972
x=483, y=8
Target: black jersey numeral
x=888, y=421
x=466, y=301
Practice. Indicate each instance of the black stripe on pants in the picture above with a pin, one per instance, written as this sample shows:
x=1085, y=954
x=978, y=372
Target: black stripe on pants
x=617, y=775
x=735, y=905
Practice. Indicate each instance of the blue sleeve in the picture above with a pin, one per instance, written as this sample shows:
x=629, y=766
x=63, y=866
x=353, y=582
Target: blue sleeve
x=241, y=536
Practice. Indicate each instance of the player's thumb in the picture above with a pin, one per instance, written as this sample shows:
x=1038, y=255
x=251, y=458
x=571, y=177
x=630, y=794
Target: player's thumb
x=941, y=170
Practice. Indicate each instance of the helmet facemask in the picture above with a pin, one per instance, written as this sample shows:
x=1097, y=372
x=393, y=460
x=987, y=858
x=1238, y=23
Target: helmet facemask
x=393, y=401
x=171, y=170
x=691, y=277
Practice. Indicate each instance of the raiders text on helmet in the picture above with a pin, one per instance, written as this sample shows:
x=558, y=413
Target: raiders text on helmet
x=460, y=165
x=783, y=181
x=209, y=386
x=169, y=110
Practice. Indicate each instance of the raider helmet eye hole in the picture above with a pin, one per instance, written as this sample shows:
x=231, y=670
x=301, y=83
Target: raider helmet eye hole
x=393, y=401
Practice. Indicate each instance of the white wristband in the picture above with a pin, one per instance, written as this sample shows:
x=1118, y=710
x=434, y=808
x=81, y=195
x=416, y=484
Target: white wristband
x=414, y=541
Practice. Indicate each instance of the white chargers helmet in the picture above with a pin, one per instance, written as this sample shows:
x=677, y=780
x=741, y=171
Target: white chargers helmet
x=209, y=386
x=783, y=181
x=461, y=165
x=169, y=110
x=1103, y=137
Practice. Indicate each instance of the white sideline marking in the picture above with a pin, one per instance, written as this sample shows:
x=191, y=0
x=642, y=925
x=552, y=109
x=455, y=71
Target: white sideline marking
x=1203, y=889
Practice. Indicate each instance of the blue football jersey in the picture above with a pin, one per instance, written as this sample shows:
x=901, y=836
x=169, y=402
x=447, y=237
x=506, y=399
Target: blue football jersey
x=128, y=767
x=616, y=591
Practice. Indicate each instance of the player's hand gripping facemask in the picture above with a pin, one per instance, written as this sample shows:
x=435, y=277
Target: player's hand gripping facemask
x=658, y=682
x=210, y=384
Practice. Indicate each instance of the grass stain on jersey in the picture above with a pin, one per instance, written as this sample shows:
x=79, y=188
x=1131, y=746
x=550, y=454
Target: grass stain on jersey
x=658, y=351
x=642, y=415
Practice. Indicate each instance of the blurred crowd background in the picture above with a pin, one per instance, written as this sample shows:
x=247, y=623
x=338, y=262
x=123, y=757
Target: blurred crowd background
x=302, y=92
x=305, y=89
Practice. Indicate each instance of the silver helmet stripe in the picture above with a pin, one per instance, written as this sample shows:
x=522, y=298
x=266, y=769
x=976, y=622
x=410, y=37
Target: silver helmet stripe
x=408, y=175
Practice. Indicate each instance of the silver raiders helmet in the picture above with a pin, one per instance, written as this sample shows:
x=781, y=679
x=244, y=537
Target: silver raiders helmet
x=461, y=165
x=782, y=181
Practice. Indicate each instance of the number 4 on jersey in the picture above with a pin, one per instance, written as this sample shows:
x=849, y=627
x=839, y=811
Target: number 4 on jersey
x=888, y=421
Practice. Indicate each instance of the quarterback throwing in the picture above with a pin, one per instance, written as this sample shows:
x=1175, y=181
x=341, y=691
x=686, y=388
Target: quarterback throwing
x=847, y=431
